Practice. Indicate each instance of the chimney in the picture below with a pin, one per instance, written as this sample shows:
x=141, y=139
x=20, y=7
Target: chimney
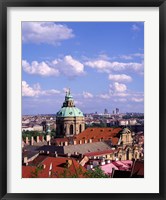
x=75, y=142
x=68, y=155
x=48, y=138
x=68, y=163
x=56, y=155
x=26, y=140
x=66, y=143
x=25, y=160
x=37, y=139
x=90, y=140
x=32, y=141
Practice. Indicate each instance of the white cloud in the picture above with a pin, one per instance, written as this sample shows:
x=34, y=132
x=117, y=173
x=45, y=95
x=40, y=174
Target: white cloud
x=135, y=28
x=120, y=77
x=50, y=92
x=99, y=64
x=45, y=32
x=67, y=66
x=41, y=68
x=29, y=91
x=106, y=66
x=72, y=66
x=118, y=87
x=137, y=99
x=104, y=96
x=87, y=95
x=36, y=91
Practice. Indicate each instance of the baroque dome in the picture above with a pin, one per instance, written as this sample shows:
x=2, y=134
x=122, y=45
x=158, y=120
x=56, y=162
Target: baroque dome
x=68, y=109
x=69, y=112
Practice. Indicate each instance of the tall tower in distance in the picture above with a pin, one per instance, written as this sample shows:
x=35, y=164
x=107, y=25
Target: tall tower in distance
x=117, y=111
x=105, y=111
x=69, y=119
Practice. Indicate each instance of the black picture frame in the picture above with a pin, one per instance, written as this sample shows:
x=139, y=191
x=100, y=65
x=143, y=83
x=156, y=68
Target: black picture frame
x=4, y=4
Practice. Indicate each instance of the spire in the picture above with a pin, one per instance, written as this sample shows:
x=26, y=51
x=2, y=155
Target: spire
x=69, y=102
x=68, y=92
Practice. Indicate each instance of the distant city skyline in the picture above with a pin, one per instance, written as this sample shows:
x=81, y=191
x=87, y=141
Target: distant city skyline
x=101, y=62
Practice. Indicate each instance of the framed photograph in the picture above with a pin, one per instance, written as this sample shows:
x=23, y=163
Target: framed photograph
x=82, y=99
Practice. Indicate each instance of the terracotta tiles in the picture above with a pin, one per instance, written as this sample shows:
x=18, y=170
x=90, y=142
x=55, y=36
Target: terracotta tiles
x=54, y=168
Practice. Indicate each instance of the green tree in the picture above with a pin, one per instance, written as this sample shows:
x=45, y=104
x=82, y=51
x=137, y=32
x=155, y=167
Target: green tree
x=29, y=134
x=35, y=174
x=96, y=173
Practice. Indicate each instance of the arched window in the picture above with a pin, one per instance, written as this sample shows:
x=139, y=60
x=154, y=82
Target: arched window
x=61, y=130
x=71, y=129
x=127, y=154
x=80, y=128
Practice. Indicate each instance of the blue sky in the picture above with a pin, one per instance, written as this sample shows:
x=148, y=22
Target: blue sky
x=101, y=62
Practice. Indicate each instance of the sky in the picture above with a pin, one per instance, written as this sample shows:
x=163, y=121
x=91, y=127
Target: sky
x=101, y=62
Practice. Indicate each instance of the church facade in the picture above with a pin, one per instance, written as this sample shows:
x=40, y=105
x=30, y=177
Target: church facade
x=69, y=119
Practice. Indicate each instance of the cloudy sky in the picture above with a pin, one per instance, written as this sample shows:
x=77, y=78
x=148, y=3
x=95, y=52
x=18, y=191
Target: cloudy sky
x=102, y=64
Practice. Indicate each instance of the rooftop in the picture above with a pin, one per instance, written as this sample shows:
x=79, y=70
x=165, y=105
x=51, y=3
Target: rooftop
x=97, y=134
x=52, y=167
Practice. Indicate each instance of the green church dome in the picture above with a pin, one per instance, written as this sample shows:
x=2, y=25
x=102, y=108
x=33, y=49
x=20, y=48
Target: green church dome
x=69, y=112
x=68, y=109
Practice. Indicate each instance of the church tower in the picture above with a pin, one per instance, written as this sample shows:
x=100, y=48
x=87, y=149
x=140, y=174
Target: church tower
x=69, y=119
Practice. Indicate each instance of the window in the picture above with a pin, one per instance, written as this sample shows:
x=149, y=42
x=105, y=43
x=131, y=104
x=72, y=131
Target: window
x=80, y=128
x=71, y=129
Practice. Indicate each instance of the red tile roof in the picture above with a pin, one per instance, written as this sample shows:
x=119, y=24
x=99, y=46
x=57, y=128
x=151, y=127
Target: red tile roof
x=27, y=171
x=54, y=168
x=97, y=134
x=58, y=140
